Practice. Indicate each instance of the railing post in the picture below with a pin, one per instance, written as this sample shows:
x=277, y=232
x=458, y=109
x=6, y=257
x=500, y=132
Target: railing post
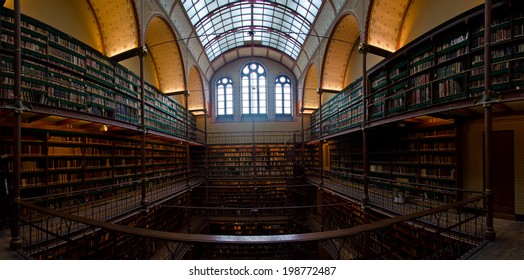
x=363, y=50
x=490, y=231
x=16, y=239
x=142, y=54
x=321, y=209
x=188, y=150
x=206, y=158
x=321, y=134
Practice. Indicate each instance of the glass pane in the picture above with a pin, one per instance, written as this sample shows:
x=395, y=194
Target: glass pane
x=287, y=88
x=285, y=17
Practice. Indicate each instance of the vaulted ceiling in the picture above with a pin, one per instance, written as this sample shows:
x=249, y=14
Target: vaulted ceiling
x=315, y=39
x=225, y=24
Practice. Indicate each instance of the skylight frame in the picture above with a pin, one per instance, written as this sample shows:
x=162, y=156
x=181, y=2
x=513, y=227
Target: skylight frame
x=224, y=24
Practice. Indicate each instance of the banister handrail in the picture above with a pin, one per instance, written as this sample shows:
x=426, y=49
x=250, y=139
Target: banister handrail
x=255, y=239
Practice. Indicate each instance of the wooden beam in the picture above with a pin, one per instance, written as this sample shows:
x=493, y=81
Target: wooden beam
x=4, y=113
x=413, y=120
x=128, y=54
x=325, y=90
x=378, y=51
x=37, y=118
x=503, y=107
x=90, y=125
x=470, y=113
x=441, y=116
x=174, y=93
x=65, y=121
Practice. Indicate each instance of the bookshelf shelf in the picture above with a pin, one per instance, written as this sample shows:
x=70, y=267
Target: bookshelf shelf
x=424, y=155
x=60, y=162
x=441, y=67
x=60, y=71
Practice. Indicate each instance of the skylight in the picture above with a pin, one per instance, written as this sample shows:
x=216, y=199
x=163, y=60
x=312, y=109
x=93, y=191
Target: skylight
x=224, y=25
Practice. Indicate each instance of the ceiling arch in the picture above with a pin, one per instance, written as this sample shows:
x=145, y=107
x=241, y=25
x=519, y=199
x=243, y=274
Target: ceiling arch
x=385, y=22
x=343, y=40
x=162, y=45
x=196, y=100
x=118, y=24
x=310, y=98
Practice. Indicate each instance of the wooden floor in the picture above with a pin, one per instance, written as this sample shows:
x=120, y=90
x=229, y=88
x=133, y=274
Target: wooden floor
x=5, y=252
x=509, y=243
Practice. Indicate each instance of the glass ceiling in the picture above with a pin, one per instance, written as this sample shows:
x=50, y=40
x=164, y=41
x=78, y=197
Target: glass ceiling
x=224, y=24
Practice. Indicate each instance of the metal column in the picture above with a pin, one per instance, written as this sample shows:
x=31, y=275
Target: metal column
x=363, y=50
x=16, y=239
x=487, y=101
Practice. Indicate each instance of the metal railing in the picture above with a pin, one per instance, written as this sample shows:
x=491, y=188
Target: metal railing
x=259, y=137
x=109, y=203
x=403, y=237
x=431, y=222
x=398, y=197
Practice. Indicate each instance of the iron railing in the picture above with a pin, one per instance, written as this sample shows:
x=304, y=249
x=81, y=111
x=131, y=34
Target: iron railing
x=409, y=236
x=259, y=137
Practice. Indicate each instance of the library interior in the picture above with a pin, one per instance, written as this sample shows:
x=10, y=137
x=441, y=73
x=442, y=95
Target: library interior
x=258, y=130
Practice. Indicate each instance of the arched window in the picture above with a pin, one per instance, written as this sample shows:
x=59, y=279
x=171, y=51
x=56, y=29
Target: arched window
x=254, y=94
x=224, y=96
x=283, y=95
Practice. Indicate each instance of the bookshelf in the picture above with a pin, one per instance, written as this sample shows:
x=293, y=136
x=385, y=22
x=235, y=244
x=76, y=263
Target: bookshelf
x=449, y=74
x=261, y=161
x=4, y=190
x=302, y=251
x=346, y=159
x=420, y=66
x=419, y=154
x=60, y=71
x=59, y=163
x=310, y=158
x=342, y=215
x=238, y=207
x=443, y=66
x=396, y=93
x=376, y=103
x=234, y=201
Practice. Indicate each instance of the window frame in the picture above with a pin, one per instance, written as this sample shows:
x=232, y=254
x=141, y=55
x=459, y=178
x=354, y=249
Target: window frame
x=282, y=85
x=221, y=84
x=257, y=89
